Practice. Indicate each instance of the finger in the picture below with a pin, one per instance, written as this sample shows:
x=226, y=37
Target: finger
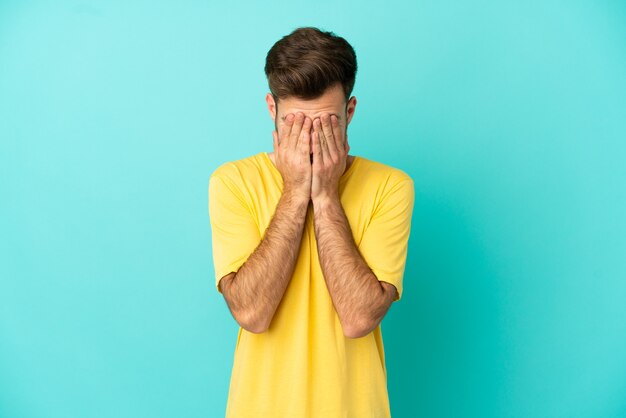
x=322, y=139
x=285, y=129
x=317, y=150
x=304, y=142
x=331, y=146
x=295, y=130
x=340, y=139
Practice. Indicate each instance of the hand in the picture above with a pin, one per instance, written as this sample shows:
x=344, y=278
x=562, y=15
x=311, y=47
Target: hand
x=330, y=153
x=292, y=154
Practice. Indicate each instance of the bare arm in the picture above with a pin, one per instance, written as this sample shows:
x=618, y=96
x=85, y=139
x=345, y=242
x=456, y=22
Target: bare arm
x=361, y=300
x=254, y=292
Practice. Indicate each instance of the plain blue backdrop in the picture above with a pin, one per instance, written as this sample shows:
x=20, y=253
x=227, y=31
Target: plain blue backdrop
x=510, y=116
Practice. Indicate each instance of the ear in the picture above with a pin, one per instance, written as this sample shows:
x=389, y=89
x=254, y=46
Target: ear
x=350, y=106
x=271, y=105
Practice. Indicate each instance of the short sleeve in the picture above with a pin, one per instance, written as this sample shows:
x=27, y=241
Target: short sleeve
x=384, y=244
x=235, y=234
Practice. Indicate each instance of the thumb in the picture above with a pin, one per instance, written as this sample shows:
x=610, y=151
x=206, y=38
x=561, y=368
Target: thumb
x=275, y=136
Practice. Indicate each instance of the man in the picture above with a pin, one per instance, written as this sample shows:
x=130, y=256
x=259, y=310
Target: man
x=309, y=246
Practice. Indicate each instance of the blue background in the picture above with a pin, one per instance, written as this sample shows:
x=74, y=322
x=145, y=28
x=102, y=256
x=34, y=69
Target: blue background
x=509, y=116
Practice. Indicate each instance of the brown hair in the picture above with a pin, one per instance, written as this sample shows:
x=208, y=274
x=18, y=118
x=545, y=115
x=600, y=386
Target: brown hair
x=306, y=62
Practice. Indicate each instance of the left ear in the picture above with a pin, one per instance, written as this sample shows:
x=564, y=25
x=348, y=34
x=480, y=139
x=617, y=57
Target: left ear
x=350, y=106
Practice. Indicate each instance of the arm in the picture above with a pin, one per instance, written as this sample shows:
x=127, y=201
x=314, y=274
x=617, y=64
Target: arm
x=362, y=282
x=360, y=299
x=254, y=292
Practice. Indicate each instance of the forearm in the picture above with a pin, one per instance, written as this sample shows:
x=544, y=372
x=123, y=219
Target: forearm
x=354, y=289
x=259, y=285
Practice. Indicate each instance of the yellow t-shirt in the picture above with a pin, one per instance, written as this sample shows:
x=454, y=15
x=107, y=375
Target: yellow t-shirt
x=303, y=365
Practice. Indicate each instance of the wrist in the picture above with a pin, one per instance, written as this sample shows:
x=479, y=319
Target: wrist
x=299, y=196
x=324, y=200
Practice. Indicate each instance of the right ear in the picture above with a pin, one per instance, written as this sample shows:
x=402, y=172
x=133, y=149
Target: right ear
x=271, y=105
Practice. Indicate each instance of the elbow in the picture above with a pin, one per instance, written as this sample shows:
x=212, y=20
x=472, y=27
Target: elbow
x=370, y=320
x=248, y=320
x=251, y=323
x=352, y=334
x=255, y=329
x=359, y=329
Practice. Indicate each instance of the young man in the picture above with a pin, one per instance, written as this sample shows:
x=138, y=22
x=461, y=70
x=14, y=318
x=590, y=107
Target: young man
x=309, y=246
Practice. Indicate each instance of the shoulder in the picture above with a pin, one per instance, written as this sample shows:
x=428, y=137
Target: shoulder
x=236, y=171
x=379, y=172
